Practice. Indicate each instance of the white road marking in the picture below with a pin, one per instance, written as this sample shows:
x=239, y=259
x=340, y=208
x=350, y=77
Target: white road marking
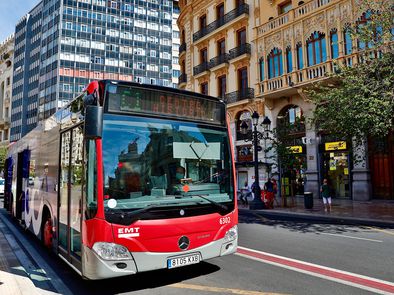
x=350, y=237
x=347, y=278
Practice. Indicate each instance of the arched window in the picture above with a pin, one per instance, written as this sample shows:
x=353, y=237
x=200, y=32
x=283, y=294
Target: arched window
x=316, y=45
x=291, y=118
x=300, y=60
x=334, y=43
x=289, y=60
x=361, y=22
x=275, y=63
x=262, y=69
x=348, y=45
x=376, y=32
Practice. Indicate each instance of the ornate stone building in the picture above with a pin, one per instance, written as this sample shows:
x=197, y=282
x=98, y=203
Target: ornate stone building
x=217, y=57
x=261, y=55
x=6, y=65
x=299, y=42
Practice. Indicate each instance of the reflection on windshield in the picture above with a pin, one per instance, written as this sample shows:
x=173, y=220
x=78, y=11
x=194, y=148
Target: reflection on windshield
x=159, y=162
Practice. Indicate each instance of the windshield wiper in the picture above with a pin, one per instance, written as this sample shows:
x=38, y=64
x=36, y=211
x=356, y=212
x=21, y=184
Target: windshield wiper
x=218, y=205
x=136, y=213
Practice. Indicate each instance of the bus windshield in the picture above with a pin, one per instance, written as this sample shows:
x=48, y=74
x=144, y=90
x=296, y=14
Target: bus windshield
x=162, y=163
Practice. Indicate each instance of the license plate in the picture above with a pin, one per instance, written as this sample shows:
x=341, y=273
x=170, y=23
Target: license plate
x=183, y=260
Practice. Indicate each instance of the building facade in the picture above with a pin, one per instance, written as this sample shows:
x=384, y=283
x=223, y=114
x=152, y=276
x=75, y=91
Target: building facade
x=6, y=66
x=217, y=57
x=260, y=56
x=176, y=42
x=62, y=45
x=300, y=42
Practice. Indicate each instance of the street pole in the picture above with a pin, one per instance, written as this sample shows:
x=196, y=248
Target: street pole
x=257, y=203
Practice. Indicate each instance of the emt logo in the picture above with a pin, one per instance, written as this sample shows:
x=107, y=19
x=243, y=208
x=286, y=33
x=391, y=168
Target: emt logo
x=131, y=232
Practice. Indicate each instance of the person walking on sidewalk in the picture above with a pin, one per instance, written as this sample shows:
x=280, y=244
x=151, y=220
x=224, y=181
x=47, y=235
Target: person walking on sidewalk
x=245, y=193
x=325, y=192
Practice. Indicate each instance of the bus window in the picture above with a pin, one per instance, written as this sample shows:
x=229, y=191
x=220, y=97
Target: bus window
x=91, y=176
x=153, y=161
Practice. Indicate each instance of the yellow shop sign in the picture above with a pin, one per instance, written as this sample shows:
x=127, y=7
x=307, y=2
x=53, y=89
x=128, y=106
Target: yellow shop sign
x=295, y=149
x=334, y=146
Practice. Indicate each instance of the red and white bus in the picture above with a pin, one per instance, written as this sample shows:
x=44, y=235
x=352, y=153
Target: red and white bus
x=128, y=178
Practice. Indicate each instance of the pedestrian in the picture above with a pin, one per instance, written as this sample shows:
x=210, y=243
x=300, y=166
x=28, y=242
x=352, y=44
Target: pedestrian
x=269, y=186
x=268, y=193
x=254, y=188
x=245, y=193
x=325, y=192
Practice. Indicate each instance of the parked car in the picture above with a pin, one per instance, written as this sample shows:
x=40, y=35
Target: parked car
x=1, y=187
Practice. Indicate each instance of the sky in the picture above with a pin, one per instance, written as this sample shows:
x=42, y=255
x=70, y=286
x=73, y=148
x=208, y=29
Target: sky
x=11, y=12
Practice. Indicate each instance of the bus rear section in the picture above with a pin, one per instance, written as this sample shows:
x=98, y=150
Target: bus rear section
x=167, y=184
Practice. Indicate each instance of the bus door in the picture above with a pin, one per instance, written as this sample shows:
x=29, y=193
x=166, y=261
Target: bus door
x=70, y=195
x=8, y=184
x=22, y=173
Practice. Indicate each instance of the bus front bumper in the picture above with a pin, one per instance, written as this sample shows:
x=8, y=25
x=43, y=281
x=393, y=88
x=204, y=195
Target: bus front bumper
x=96, y=268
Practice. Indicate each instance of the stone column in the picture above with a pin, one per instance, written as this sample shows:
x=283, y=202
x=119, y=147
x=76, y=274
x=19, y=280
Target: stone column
x=312, y=183
x=361, y=184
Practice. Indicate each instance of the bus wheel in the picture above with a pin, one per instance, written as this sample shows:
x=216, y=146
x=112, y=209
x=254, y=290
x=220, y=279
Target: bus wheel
x=48, y=232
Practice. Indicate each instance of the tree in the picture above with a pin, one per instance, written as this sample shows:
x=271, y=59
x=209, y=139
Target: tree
x=3, y=154
x=358, y=101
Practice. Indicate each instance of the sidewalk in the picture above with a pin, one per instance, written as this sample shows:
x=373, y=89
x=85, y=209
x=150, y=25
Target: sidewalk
x=13, y=277
x=373, y=213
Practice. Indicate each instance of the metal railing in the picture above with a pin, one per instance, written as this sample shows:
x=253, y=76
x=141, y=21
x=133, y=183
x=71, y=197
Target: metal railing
x=182, y=48
x=223, y=58
x=247, y=93
x=240, y=50
x=182, y=78
x=228, y=17
x=200, y=68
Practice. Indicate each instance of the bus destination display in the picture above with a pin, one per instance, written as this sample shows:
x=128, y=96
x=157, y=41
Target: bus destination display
x=139, y=100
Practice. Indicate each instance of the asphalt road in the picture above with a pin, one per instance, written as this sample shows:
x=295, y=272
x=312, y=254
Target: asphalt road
x=275, y=257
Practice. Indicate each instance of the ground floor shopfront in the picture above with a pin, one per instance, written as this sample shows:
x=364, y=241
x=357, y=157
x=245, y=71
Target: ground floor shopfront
x=318, y=156
x=353, y=172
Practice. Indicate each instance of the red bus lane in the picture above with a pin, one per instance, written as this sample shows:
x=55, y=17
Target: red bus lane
x=352, y=279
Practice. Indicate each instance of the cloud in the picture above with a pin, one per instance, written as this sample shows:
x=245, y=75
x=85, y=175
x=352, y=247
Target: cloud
x=11, y=12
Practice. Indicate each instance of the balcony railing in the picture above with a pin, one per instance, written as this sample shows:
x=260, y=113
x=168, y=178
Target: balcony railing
x=182, y=79
x=309, y=7
x=240, y=50
x=182, y=48
x=218, y=60
x=228, y=17
x=200, y=68
x=293, y=14
x=247, y=93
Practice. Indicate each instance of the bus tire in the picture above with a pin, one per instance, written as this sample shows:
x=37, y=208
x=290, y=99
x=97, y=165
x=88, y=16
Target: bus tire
x=47, y=230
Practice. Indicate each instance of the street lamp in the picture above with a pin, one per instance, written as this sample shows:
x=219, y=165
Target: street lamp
x=256, y=137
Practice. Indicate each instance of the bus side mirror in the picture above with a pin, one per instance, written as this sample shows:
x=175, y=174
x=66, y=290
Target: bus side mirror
x=93, y=122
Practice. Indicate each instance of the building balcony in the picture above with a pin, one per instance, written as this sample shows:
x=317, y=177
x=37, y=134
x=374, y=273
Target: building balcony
x=4, y=122
x=288, y=83
x=182, y=48
x=218, y=60
x=243, y=94
x=201, y=68
x=182, y=80
x=294, y=14
x=228, y=17
x=241, y=50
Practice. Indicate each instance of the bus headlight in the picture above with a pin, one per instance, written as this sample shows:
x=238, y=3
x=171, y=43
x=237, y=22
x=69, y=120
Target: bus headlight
x=231, y=234
x=111, y=251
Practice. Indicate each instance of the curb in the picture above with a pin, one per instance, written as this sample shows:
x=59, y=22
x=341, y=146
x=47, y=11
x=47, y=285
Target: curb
x=322, y=218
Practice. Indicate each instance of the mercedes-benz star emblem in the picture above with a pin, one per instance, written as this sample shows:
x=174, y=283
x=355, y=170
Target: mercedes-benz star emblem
x=183, y=243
